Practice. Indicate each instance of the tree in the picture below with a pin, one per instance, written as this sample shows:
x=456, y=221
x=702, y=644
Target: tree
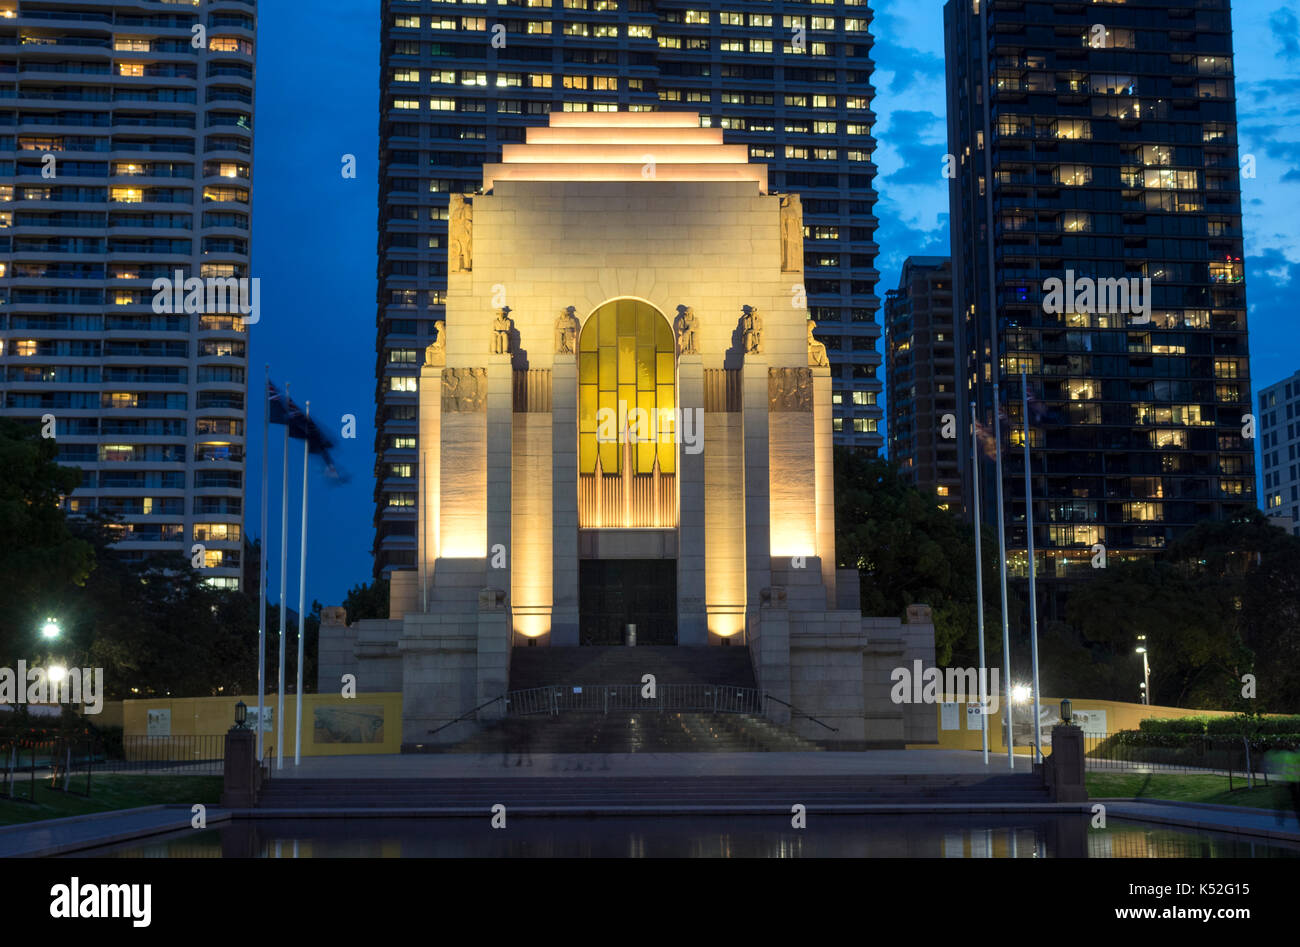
x=908, y=550
x=367, y=601
x=1190, y=637
x=40, y=557
x=1253, y=570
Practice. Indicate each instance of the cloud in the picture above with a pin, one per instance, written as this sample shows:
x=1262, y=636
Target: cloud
x=907, y=65
x=918, y=139
x=1286, y=30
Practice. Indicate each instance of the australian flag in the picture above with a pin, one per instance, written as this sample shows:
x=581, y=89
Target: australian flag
x=282, y=410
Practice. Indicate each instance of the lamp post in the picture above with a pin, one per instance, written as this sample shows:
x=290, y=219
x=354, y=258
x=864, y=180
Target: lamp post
x=1146, y=670
x=51, y=630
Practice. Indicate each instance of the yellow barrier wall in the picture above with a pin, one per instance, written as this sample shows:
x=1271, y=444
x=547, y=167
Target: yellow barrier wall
x=331, y=725
x=1119, y=715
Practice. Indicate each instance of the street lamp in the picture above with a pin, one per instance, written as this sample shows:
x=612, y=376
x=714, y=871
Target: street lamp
x=1146, y=671
x=51, y=630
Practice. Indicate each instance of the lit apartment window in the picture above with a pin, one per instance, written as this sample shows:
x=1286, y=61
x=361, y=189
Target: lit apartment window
x=216, y=532
x=130, y=69
x=403, y=383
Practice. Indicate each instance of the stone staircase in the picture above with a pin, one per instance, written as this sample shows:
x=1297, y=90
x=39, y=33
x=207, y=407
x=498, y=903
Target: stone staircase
x=630, y=732
x=714, y=793
x=544, y=667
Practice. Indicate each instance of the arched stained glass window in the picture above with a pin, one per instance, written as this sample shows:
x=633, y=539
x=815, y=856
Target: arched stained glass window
x=626, y=389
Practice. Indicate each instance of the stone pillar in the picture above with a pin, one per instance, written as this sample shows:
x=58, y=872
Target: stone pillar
x=335, y=649
x=564, y=508
x=772, y=662
x=429, y=467
x=242, y=774
x=692, y=624
x=500, y=439
x=824, y=465
x=493, y=652
x=1066, y=765
x=758, y=561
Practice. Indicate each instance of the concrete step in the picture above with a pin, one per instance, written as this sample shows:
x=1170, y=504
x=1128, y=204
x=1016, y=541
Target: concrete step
x=598, y=790
x=630, y=732
x=543, y=667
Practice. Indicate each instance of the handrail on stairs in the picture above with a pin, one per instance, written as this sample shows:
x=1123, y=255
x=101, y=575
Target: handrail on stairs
x=468, y=713
x=799, y=713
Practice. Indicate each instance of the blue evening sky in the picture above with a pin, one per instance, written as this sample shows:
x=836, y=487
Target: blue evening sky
x=314, y=239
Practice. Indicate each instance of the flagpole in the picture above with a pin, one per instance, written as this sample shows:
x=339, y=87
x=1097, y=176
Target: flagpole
x=979, y=581
x=1033, y=593
x=261, y=568
x=1002, y=570
x=284, y=552
x=302, y=587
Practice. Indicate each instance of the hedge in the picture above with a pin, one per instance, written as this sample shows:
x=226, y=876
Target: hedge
x=1237, y=725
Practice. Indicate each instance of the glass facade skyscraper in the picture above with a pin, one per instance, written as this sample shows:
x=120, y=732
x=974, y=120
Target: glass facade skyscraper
x=1097, y=143
x=920, y=375
x=790, y=81
x=125, y=157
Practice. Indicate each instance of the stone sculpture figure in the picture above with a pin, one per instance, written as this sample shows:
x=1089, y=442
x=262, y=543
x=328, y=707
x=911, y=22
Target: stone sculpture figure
x=435, y=353
x=460, y=234
x=816, y=350
x=687, y=327
x=751, y=325
x=501, y=327
x=566, y=332
x=789, y=389
x=464, y=389
x=791, y=233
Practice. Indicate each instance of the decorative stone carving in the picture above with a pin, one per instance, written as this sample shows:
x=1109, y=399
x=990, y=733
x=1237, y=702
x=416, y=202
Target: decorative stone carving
x=491, y=600
x=334, y=615
x=436, y=352
x=816, y=350
x=460, y=234
x=774, y=597
x=789, y=389
x=464, y=389
x=791, y=233
x=501, y=326
x=566, y=332
x=687, y=327
x=751, y=328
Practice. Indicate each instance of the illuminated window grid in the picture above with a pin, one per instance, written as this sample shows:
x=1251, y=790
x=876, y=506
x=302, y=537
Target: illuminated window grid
x=625, y=357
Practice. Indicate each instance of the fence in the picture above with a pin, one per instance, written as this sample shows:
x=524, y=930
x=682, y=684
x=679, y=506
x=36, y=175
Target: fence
x=70, y=762
x=1236, y=757
x=603, y=698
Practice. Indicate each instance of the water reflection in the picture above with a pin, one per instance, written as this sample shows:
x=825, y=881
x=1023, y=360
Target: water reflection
x=840, y=836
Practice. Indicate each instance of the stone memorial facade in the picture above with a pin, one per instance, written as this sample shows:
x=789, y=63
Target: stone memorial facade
x=627, y=420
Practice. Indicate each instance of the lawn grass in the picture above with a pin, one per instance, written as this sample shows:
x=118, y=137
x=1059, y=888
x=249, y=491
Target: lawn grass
x=108, y=792
x=1187, y=787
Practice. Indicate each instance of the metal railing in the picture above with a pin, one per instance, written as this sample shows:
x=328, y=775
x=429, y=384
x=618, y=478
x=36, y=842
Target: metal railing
x=1233, y=756
x=606, y=698
x=795, y=711
x=466, y=715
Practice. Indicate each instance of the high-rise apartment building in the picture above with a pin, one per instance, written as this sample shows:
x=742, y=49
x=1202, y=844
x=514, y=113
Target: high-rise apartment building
x=126, y=157
x=921, y=379
x=791, y=82
x=1279, y=441
x=1096, y=145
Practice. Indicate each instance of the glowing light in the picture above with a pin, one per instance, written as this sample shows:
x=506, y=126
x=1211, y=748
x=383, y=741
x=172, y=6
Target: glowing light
x=51, y=629
x=1020, y=693
x=57, y=673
